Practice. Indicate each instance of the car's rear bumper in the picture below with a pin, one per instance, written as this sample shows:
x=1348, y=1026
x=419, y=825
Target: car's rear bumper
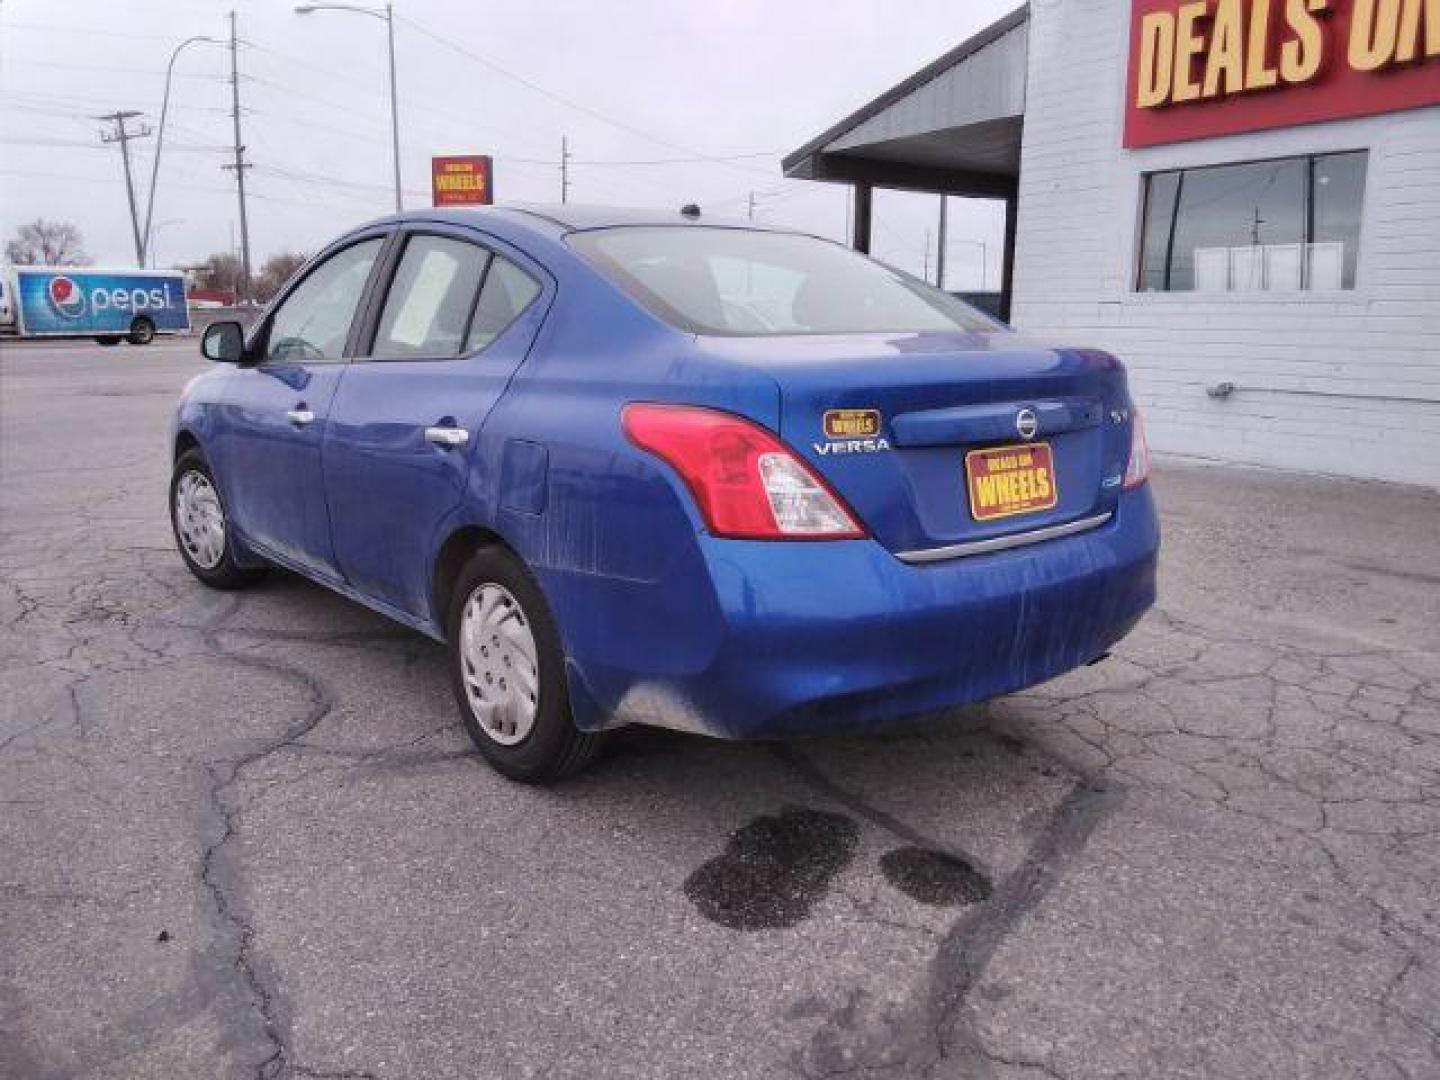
x=776, y=639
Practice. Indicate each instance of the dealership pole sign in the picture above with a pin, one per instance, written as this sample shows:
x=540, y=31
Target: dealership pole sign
x=466, y=180
x=1203, y=68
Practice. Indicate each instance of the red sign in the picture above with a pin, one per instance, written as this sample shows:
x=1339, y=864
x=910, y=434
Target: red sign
x=467, y=180
x=1202, y=68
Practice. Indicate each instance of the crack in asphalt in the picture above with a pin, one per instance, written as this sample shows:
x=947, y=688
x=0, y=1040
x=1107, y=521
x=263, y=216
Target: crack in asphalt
x=1314, y=739
x=1329, y=681
x=1373, y=686
x=219, y=871
x=860, y=806
x=967, y=950
x=934, y=1029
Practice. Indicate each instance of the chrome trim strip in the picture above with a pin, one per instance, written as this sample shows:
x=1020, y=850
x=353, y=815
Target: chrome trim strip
x=1004, y=543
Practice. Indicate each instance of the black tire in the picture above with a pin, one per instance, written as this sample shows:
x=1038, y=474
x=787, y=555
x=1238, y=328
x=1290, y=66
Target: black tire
x=554, y=747
x=225, y=573
x=108, y=339
x=142, y=331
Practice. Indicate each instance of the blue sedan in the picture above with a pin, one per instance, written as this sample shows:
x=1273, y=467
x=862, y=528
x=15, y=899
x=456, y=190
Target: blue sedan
x=649, y=468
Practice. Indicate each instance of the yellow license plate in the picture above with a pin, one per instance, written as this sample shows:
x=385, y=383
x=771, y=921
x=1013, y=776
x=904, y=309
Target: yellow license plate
x=1007, y=480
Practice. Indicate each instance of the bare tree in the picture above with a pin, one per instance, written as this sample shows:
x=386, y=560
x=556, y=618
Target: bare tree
x=47, y=243
x=277, y=270
x=219, y=271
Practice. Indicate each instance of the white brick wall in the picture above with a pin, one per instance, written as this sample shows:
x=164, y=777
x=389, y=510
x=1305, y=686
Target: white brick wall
x=1076, y=249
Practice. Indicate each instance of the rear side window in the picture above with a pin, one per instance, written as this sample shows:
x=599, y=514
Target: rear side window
x=755, y=283
x=507, y=292
x=430, y=300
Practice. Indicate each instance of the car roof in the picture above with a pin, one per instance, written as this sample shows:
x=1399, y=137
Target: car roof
x=560, y=218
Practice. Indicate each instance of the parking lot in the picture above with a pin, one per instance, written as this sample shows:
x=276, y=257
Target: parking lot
x=244, y=835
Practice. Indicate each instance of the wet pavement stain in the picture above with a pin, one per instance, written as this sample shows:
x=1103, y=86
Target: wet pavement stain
x=933, y=877
x=774, y=869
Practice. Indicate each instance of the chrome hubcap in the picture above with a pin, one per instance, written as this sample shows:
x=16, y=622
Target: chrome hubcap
x=499, y=664
x=200, y=520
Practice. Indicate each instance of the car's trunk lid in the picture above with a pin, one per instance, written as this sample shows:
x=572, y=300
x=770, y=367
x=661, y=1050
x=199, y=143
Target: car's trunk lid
x=889, y=421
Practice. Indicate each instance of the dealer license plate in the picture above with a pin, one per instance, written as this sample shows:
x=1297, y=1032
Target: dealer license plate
x=1007, y=480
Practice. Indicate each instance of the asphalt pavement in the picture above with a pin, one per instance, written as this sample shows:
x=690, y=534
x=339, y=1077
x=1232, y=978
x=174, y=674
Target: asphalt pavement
x=244, y=835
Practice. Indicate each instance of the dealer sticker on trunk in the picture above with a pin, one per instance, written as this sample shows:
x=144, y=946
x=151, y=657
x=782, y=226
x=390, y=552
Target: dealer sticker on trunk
x=851, y=431
x=1009, y=480
x=852, y=423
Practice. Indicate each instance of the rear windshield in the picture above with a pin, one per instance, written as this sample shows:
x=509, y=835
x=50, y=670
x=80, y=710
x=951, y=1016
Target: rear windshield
x=752, y=283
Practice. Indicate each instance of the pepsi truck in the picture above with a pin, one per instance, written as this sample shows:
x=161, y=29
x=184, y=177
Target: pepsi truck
x=86, y=301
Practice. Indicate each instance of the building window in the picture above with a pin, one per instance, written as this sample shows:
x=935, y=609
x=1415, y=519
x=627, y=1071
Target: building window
x=1282, y=225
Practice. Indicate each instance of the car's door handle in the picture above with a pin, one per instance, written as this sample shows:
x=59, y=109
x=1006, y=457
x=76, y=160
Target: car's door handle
x=447, y=436
x=300, y=417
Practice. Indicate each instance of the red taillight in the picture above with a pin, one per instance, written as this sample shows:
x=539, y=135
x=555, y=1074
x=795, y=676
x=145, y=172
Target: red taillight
x=1138, y=470
x=747, y=484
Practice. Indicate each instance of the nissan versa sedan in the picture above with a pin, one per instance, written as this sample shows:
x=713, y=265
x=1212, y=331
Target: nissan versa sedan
x=649, y=468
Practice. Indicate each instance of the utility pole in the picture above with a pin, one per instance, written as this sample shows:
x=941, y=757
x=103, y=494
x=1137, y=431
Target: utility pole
x=564, y=169
x=239, y=165
x=751, y=211
x=123, y=135
x=940, y=247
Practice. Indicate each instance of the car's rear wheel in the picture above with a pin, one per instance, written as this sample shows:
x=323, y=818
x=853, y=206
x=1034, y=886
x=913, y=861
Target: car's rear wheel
x=202, y=530
x=508, y=672
x=142, y=331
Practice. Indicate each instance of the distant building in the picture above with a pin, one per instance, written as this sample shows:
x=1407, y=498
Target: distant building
x=1241, y=199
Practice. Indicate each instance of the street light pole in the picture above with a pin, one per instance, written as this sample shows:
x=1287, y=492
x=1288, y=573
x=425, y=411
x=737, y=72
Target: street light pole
x=160, y=132
x=387, y=14
x=394, y=105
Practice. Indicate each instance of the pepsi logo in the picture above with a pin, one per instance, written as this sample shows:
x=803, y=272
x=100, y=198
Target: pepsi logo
x=66, y=297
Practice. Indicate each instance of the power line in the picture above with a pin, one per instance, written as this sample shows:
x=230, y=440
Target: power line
x=572, y=104
x=469, y=120
x=78, y=144
x=678, y=160
x=432, y=109
x=208, y=189
x=329, y=181
x=82, y=109
x=61, y=66
x=91, y=31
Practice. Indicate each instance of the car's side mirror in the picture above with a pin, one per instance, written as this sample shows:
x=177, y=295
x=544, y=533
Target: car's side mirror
x=224, y=342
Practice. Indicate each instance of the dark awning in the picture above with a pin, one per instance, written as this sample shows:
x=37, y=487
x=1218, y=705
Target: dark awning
x=952, y=127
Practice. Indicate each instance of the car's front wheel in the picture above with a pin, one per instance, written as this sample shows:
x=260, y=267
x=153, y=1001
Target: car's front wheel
x=202, y=531
x=508, y=672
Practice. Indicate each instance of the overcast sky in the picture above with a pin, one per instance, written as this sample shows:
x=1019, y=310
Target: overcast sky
x=741, y=80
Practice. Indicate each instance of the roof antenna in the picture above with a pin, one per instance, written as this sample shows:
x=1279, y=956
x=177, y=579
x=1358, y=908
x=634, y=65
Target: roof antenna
x=690, y=210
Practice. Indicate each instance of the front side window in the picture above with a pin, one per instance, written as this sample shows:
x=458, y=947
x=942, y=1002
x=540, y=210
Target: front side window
x=754, y=283
x=431, y=298
x=313, y=322
x=1281, y=225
